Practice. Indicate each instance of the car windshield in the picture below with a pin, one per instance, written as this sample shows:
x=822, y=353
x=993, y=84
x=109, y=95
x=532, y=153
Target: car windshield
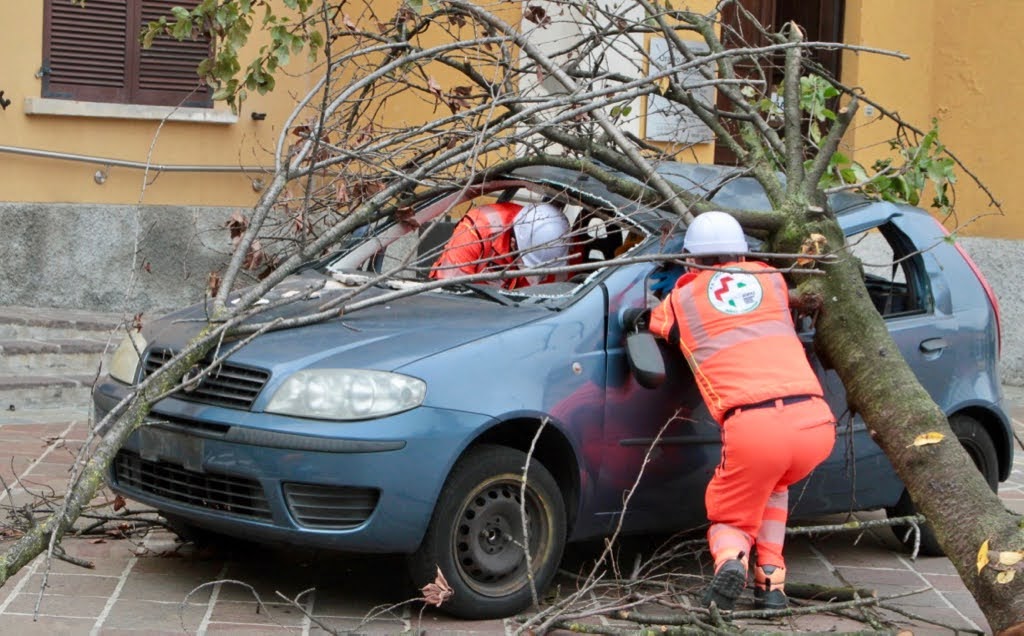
x=393, y=255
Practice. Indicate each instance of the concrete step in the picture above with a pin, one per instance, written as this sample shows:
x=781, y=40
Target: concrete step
x=35, y=322
x=49, y=357
x=53, y=356
x=35, y=392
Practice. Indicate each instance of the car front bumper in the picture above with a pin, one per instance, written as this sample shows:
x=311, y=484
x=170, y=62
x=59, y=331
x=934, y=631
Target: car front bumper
x=367, y=486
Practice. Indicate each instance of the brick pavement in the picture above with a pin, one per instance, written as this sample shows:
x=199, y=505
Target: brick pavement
x=157, y=585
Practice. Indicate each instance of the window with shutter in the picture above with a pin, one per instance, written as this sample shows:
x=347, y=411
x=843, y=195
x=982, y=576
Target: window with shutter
x=93, y=53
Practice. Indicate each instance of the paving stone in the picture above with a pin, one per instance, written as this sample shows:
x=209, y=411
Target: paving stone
x=74, y=606
x=357, y=626
x=150, y=631
x=144, y=615
x=146, y=586
x=108, y=564
x=183, y=566
x=50, y=469
x=26, y=625
x=271, y=614
x=966, y=605
x=945, y=582
x=73, y=584
x=249, y=630
x=931, y=565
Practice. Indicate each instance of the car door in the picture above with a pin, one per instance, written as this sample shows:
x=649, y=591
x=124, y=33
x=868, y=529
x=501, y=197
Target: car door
x=667, y=426
x=857, y=475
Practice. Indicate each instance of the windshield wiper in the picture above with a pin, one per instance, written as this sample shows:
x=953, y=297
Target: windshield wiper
x=484, y=291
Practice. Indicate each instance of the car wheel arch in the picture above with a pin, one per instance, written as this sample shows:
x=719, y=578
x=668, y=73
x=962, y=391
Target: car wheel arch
x=975, y=430
x=553, y=449
x=997, y=431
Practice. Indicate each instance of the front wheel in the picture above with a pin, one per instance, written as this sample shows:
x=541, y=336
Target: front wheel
x=476, y=534
x=982, y=451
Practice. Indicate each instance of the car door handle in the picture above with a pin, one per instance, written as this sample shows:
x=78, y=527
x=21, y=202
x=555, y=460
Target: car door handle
x=933, y=345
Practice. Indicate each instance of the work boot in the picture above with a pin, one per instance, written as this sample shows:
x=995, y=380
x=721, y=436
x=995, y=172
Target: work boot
x=769, y=586
x=726, y=586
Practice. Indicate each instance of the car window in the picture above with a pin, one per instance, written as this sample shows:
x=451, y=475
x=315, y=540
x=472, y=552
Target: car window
x=893, y=271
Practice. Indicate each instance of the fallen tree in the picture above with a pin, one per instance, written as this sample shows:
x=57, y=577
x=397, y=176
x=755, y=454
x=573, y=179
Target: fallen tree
x=507, y=102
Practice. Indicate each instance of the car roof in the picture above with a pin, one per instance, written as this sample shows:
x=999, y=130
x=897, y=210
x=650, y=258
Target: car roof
x=728, y=186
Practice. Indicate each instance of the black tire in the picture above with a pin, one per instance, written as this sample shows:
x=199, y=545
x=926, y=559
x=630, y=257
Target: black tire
x=982, y=451
x=481, y=501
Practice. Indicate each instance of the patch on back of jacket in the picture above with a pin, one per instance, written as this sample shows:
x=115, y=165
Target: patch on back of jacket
x=734, y=292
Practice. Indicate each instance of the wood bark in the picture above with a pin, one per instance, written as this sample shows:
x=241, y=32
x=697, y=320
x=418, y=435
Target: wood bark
x=943, y=482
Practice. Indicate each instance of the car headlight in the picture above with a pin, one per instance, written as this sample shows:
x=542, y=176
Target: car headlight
x=125, y=361
x=346, y=394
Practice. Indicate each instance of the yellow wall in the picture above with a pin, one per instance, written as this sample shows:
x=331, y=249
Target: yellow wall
x=49, y=180
x=963, y=70
x=246, y=142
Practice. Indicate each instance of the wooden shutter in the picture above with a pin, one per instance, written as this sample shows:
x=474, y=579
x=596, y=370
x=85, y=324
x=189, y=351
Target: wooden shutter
x=93, y=53
x=86, y=50
x=166, y=71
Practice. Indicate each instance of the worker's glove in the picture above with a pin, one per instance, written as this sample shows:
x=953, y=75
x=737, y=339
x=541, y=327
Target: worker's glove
x=664, y=279
x=636, y=319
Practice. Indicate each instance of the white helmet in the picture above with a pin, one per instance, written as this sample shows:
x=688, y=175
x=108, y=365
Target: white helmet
x=715, y=233
x=542, y=235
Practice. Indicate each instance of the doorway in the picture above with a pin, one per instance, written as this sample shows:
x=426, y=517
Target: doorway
x=821, y=20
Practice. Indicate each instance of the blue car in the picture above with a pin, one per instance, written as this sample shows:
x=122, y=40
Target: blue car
x=404, y=427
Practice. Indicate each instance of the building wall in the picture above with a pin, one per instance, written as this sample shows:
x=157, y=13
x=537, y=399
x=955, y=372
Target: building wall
x=102, y=237
x=48, y=180
x=963, y=72
x=105, y=257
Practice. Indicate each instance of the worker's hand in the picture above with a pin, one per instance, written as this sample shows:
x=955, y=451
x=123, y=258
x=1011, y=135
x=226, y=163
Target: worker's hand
x=636, y=319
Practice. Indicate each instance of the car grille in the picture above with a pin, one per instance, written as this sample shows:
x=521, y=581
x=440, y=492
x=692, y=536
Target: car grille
x=231, y=385
x=212, y=491
x=334, y=507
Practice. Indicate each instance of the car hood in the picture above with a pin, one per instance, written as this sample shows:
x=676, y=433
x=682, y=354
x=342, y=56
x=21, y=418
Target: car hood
x=384, y=336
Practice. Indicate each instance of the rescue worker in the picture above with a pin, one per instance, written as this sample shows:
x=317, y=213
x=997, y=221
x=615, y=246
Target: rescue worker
x=734, y=326
x=505, y=236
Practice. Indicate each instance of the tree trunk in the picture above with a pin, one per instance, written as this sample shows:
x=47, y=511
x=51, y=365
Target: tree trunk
x=943, y=482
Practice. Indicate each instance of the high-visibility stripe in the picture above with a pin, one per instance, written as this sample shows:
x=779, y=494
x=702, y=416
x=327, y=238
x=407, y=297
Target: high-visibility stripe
x=727, y=542
x=741, y=334
x=772, y=534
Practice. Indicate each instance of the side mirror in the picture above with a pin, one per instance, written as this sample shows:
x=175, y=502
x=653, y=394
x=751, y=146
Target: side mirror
x=645, y=360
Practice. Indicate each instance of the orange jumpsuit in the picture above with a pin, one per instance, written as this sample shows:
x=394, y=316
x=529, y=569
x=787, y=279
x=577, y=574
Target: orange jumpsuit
x=736, y=331
x=481, y=242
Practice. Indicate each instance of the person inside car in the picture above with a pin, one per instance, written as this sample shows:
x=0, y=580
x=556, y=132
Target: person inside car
x=734, y=326
x=506, y=237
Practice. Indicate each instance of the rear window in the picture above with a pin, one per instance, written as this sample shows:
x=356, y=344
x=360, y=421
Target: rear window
x=893, y=271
